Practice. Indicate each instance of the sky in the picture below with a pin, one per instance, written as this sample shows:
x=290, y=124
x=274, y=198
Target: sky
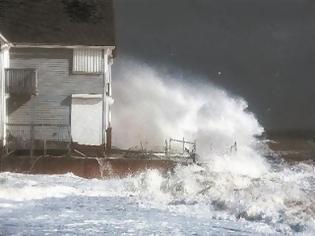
x=261, y=50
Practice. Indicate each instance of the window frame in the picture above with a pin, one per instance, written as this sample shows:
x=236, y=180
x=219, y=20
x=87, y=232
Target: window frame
x=34, y=71
x=74, y=72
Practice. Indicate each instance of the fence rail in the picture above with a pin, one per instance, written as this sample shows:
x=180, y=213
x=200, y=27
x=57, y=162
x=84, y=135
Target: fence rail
x=183, y=142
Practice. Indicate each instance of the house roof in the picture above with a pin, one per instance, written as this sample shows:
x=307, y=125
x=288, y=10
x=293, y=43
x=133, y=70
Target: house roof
x=58, y=22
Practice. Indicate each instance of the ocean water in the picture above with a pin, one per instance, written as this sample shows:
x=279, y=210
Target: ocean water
x=193, y=200
x=235, y=191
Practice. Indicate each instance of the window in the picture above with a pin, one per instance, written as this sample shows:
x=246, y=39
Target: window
x=87, y=60
x=21, y=81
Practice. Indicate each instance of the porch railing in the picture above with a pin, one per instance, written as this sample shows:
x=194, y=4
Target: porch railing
x=37, y=136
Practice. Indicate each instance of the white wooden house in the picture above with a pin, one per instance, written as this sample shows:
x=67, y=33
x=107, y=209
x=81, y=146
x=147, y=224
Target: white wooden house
x=55, y=73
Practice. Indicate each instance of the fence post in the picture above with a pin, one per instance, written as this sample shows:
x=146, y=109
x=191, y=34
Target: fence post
x=32, y=140
x=45, y=147
x=108, y=140
x=170, y=146
x=70, y=139
x=166, y=148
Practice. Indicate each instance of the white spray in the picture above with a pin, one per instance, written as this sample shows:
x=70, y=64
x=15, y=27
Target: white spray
x=242, y=184
x=153, y=107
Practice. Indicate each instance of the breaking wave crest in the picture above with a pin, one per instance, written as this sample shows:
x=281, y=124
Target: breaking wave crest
x=153, y=107
x=282, y=199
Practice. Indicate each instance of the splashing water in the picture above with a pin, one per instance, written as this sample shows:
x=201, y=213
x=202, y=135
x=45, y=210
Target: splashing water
x=230, y=193
x=238, y=185
x=152, y=109
x=192, y=200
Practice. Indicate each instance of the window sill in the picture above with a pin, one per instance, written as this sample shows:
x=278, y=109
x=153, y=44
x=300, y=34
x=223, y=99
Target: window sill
x=86, y=73
x=87, y=96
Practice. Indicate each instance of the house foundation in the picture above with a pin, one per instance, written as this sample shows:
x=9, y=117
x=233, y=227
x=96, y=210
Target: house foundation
x=88, y=167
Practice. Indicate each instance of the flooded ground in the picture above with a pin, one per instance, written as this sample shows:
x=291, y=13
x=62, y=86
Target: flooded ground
x=194, y=200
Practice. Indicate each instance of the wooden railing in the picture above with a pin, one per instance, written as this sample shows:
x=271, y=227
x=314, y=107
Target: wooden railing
x=37, y=137
x=21, y=81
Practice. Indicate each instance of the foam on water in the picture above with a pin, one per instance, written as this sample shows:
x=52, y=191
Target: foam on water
x=237, y=192
x=192, y=197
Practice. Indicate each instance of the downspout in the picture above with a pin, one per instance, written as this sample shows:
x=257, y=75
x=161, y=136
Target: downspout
x=104, y=99
x=5, y=63
x=107, y=100
x=1, y=103
x=108, y=105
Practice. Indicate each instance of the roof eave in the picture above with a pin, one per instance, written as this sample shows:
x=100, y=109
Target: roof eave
x=3, y=39
x=42, y=45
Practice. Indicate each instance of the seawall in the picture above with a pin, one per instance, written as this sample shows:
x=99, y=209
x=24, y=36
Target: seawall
x=83, y=167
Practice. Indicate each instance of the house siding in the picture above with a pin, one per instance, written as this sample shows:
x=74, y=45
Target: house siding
x=50, y=110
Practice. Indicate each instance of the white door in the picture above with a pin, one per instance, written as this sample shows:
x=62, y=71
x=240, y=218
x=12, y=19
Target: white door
x=86, y=119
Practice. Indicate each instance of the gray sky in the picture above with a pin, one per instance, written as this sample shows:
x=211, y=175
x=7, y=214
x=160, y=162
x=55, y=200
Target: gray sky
x=265, y=49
